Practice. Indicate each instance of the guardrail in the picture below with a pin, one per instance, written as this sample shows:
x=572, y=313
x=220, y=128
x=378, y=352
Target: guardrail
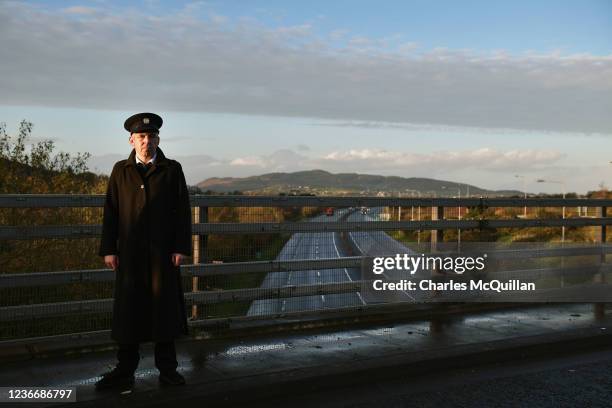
x=97, y=200
x=202, y=228
x=203, y=270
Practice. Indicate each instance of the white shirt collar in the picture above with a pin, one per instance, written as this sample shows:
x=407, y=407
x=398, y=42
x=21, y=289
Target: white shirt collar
x=138, y=161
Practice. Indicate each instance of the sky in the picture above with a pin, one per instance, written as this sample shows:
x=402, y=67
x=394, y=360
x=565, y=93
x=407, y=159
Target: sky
x=474, y=92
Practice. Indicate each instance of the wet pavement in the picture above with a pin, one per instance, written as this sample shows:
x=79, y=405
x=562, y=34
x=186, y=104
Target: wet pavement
x=240, y=370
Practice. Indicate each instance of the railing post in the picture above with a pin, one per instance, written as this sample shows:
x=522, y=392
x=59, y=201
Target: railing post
x=437, y=213
x=200, y=216
x=599, y=309
x=604, y=211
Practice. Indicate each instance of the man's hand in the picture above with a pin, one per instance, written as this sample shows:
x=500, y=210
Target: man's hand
x=112, y=261
x=177, y=259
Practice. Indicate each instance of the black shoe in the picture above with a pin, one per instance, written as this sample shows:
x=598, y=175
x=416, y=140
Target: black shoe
x=171, y=378
x=115, y=379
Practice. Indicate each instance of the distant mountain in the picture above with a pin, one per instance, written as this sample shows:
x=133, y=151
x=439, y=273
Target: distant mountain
x=321, y=182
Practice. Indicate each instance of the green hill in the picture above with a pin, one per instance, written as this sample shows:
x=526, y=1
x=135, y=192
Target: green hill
x=323, y=182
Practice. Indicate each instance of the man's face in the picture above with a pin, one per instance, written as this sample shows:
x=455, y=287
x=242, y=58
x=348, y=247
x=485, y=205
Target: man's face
x=145, y=144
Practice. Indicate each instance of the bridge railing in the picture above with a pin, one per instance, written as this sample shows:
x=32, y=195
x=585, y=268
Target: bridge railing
x=37, y=314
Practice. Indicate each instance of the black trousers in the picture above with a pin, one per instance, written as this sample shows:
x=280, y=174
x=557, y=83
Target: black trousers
x=165, y=357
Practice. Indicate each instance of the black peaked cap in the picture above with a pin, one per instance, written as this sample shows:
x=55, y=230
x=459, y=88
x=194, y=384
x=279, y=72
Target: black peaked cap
x=143, y=122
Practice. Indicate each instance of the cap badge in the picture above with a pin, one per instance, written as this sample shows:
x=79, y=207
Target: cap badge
x=145, y=121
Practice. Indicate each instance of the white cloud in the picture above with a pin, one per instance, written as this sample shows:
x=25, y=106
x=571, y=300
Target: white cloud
x=178, y=62
x=485, y=159
x=420, y=128
x=218, y=19
x=82, y=10
x=280, y=160
x=248, y=161
x=339, y=34
x=483, y=164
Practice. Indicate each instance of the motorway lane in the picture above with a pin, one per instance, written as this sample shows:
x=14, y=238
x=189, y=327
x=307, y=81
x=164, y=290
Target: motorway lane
x=379, y=244
x=375, y=243
x=317, y=245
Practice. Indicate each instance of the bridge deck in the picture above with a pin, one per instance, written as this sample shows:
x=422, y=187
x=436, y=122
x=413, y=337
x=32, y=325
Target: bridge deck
x=239, y=370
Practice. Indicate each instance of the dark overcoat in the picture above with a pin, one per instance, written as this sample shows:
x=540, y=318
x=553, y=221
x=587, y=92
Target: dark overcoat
x=146, y=219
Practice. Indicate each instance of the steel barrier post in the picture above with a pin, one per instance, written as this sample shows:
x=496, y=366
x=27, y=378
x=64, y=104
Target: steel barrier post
x=437, y=213
x=200, y=215
x=599, y=309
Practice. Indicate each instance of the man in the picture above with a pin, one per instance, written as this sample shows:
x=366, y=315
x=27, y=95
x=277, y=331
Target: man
x=146, y=234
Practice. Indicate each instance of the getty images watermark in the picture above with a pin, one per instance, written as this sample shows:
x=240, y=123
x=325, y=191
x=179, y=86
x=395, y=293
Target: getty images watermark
x=386, y=267
x=442, y=278
x=411, y=264
x=488, y=272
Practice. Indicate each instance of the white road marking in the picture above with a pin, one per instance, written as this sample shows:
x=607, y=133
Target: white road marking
x=345, y=270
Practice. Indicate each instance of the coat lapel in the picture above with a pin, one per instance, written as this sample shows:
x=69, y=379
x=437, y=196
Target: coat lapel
x=130, y=165
x=160, y=162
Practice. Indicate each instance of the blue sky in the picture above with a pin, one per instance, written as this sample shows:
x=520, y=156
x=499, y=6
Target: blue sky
x=471, y=91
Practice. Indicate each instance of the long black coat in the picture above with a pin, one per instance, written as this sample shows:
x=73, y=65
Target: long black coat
x=146, y=219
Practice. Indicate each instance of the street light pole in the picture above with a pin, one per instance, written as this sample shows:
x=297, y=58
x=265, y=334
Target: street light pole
x=419, y=219
x=524, y=191
x=459, y=216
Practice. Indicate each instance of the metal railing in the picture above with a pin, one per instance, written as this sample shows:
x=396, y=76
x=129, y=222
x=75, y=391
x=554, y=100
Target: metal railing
x=202, y=229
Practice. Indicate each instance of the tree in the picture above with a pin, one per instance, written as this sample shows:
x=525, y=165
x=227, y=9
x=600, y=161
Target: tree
x=39, y=169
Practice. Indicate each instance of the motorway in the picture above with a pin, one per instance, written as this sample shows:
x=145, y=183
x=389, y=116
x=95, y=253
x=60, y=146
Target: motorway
x=327, y=245
x=375, y=243
x=309, y=246
x=380, y=244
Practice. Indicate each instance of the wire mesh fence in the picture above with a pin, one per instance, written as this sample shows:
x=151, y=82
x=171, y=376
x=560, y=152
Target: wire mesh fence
x=265, y=257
